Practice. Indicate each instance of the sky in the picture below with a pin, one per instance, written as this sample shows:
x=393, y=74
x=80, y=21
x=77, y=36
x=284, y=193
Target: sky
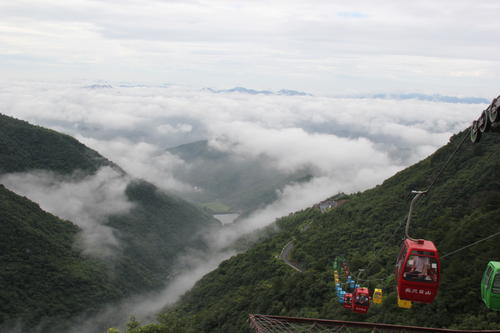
x=321, y=47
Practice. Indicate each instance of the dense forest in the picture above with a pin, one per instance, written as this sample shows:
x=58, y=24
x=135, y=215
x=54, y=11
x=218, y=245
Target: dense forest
x=462, y=207
x=45, y=277
x=25, y=147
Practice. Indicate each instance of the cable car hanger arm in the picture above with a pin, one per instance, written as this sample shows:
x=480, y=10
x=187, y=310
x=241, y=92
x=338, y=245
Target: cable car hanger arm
x=408, y=220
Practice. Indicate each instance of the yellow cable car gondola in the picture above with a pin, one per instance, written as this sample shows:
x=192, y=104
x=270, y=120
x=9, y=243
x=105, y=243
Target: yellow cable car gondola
x=402, y=303
x=377, y=296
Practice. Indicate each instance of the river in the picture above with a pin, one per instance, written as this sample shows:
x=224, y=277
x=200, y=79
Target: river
x=226, y=218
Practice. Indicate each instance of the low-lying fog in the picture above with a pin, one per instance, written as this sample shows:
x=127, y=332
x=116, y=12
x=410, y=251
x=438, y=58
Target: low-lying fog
x=349, y=144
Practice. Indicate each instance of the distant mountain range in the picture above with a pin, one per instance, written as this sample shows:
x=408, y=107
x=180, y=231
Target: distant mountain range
x=424, y=97
x=287, y=92
x=242, y=90
x=98, y=86
x=124, y=85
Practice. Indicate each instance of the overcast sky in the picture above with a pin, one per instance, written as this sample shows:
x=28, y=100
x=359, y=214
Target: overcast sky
x=322, y=47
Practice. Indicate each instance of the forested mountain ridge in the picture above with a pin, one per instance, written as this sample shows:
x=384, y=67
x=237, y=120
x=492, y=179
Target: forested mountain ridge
x=25, y=147
x=462, y=207
x=43, y=275
x=151, y=234
x=228, y=180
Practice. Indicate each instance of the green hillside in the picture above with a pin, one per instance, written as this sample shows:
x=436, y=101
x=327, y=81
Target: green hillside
x=42, y=276
x=462, y=207
x=229, y=181
x=151, y=235
x=155, y=231
x=26, y=147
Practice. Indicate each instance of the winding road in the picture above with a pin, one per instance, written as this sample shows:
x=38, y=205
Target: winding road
x=285, y=255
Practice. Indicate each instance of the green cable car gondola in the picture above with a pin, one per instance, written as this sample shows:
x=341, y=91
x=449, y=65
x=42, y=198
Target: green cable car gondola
x=490, y=286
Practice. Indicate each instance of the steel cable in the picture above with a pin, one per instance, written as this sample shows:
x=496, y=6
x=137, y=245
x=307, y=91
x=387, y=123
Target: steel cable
x=472, y=244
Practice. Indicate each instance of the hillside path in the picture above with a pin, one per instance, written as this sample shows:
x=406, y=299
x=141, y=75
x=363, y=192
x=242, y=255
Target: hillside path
x=285, y=254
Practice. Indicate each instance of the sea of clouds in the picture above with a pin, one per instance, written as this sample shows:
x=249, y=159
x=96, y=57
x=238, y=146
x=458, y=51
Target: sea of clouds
x=363, y=140
x=349, y=144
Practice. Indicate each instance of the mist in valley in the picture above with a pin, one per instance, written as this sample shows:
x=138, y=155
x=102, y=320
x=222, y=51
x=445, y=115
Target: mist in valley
x=341, y=144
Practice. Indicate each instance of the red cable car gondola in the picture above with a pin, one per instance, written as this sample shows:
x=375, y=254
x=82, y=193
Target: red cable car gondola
x=360, y=300
x=417, y=271
x=417, y=267
x=347, y=300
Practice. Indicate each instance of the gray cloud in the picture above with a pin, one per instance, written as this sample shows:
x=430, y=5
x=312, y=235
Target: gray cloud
x=86, y=201
x=333, y=136
x=143, y=160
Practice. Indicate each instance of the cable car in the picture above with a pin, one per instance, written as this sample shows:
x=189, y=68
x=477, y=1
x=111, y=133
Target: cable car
x=336, y=277
x=490, y=286
x=352, y=284
x=360, y=300
x=417, y=271
x=404, y=304
x=347, y=301
x=377, y=296
x=340, y=296
x=346, y=269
